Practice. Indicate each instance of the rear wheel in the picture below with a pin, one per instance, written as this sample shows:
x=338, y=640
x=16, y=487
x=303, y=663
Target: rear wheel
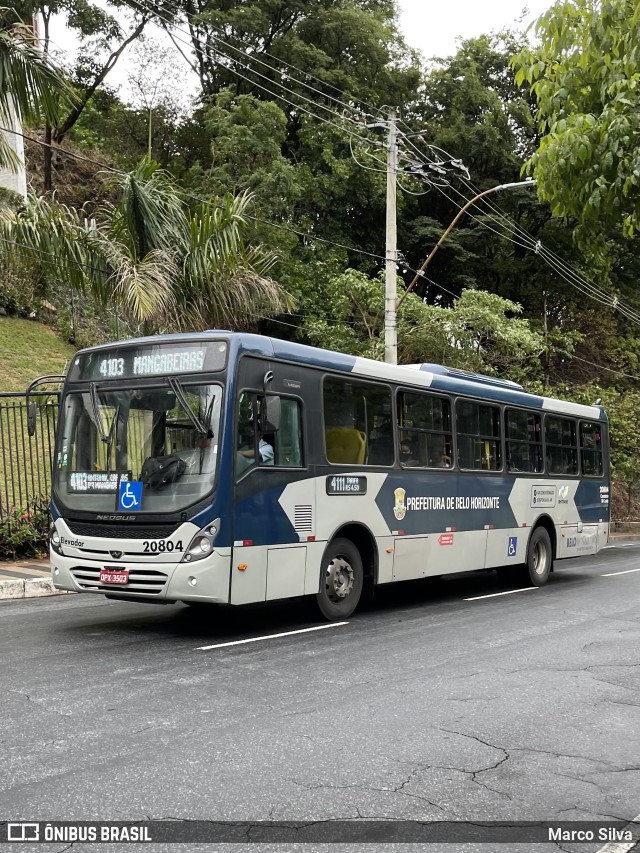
x=539, y=558
x=341, y=580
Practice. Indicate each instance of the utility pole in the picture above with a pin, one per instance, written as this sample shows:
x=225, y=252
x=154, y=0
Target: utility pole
x=391, y=254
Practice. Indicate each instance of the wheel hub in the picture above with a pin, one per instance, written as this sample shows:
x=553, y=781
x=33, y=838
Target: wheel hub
x=539, y=560
x=339, y=579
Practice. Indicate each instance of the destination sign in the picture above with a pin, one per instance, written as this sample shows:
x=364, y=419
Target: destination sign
x=127, y=362
x=96, y=482
x=343, y=484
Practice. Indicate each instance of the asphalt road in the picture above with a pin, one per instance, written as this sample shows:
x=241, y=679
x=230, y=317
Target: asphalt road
x=429, y=706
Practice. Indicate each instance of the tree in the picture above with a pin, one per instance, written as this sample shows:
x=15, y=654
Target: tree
x=161, y=264
x=480, y=331
x=154, y=81
x=353, y=45
x=104, y=43
x=30, y=85
x=585, y=78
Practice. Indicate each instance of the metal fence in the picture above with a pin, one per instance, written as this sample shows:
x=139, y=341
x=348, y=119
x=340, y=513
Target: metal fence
x=26, y=463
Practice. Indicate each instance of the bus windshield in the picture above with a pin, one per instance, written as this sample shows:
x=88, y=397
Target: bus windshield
x=164, y=436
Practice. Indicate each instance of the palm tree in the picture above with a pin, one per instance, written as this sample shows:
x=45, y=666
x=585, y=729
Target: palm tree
x=162, y=264
x=30, y=86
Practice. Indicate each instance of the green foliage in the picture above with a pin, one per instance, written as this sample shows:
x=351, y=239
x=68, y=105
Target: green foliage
x=148, y=254
x=480, y=332
x=247, y=137
x=585, y=78
x=21, y=285
x=353, y=45
x=24, y=533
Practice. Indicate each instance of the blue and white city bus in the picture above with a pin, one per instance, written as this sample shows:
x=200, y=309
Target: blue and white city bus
x=232, y=468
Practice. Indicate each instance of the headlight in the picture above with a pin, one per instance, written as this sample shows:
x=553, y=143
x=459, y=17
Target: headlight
x=54, y=539
x=202, y=543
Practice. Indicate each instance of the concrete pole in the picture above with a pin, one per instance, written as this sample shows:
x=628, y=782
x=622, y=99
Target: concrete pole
x=391, y=254
x=15, y=179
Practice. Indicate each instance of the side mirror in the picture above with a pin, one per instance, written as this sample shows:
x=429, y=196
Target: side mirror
x=270, y=413
x=31, y=419
x=31, y=407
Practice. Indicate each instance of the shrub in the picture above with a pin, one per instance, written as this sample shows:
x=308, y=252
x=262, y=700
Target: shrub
x=24, y=533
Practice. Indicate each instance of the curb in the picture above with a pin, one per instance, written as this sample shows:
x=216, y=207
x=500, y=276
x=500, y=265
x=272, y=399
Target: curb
x=13, y=588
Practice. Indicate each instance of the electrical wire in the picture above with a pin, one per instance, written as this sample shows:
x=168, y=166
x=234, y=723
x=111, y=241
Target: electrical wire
x=552, y=260
x=255, y=58
x=269, y=91
x=308, y=236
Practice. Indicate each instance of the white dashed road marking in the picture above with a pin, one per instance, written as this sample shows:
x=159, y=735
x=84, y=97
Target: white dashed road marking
x=270, y=636
x=624, y=846
x=508, y=592
x=613, y=574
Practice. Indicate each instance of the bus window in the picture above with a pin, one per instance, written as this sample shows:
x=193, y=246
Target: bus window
x=524, y=441
x=561, y=445
x=424, y=422
x=591, y=449
x=357, y=423
x=478, y=432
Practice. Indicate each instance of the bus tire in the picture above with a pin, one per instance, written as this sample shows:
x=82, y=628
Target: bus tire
x=539, y=558
x=341, y=580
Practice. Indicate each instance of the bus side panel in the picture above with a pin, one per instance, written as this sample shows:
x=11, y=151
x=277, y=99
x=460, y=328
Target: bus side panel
x=248, y=574
x=411, y=558
x=507, y=546
x=577, y=540
x=464, y=551
x=286, y=571
x=335, y=510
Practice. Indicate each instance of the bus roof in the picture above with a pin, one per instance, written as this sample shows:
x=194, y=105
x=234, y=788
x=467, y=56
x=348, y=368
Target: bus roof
x=433, y=376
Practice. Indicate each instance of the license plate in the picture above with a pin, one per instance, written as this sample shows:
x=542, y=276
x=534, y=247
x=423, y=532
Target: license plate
x=114, y=576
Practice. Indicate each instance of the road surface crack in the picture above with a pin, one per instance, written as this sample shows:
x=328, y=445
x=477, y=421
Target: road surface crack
x=475, y=773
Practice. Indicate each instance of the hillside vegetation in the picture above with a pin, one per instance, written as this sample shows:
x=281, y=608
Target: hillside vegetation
x=29, y=349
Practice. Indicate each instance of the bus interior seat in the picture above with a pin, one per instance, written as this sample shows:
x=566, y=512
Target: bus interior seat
x=345, y=445
x=381, y=451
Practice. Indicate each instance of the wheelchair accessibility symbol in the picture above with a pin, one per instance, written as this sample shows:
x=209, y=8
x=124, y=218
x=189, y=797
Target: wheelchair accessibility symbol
x=130, y=496
x=513, y=546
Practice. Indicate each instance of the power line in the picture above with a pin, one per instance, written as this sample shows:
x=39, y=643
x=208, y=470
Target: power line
x=311, y=237
x=552, y=260
x=153, y=11
x=254, y=57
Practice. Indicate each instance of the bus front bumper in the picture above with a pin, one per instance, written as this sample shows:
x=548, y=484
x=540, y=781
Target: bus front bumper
x=205, y=580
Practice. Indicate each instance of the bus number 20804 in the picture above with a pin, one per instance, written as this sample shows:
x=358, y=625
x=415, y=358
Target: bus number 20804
x=159, y=546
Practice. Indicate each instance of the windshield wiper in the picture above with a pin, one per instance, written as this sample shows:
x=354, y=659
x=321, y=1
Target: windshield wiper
x=111, y=436
x=95, y=403
x=176, y=387
x=208, y=434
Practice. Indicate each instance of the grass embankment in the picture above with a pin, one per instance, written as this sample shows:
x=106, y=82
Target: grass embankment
x=28, y=350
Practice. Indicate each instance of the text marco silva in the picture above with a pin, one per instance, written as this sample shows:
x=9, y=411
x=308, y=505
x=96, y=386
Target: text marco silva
x=602, y=833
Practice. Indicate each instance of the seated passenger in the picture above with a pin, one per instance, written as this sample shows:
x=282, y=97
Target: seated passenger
x=407, y=456
x=441, y=460
x=264, y=449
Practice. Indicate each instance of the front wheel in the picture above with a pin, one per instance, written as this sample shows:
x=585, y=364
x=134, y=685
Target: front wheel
x=539, y=557
x=341, y=580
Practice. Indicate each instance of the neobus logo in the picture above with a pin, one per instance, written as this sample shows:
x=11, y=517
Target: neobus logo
x=115, y=517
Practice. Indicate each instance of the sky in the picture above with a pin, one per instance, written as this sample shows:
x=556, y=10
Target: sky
x=431, y=27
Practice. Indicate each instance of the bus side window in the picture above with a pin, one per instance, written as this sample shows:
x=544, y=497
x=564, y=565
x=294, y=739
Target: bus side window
x=358, y=429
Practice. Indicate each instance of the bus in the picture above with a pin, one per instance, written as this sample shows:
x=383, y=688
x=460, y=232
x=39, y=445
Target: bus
x=231, y=468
